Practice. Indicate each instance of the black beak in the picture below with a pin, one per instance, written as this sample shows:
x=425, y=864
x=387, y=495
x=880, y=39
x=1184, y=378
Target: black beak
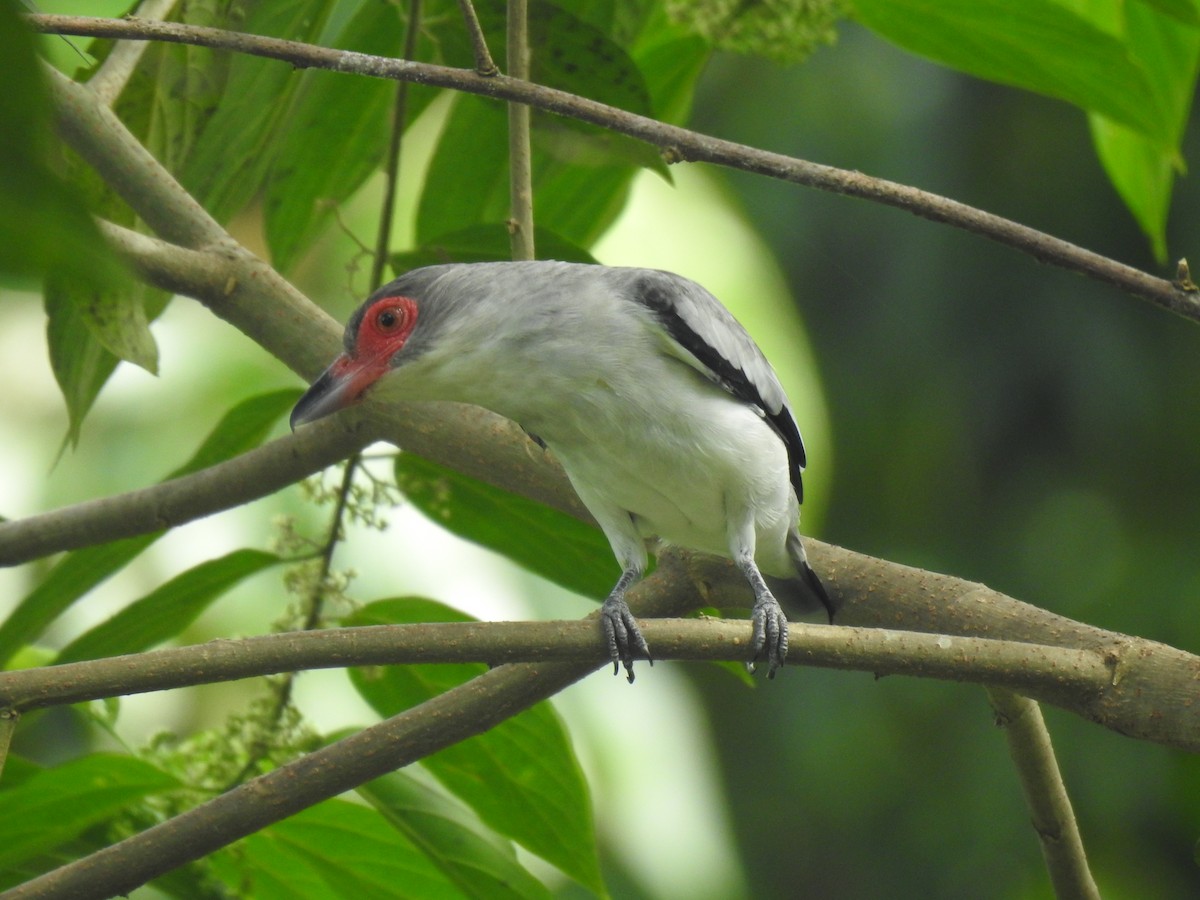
x=339, y=386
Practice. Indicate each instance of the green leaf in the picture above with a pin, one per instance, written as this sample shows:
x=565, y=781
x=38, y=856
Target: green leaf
x=80, y=363
x=552, y=544
x=333, y=849
x=1186, y=11
x=336, y=135
x=786, y=32
x=55, y=805
x=168, y=98
x=484, y=243
x=1040, y=46
x=467, y=180
x=521, y=777
x=672, y=65
x=1143, y=171
x=43, y=228
x=580, y=172
x=1142, y=174
x=83, y=351
x=165, y=612
x=75, y=575
x=117, y=319
x=479, y=863
x=233, y=153
x=243, y=427
x=176, y=88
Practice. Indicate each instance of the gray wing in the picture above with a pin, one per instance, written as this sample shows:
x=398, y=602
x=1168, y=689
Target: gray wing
x=706, y=336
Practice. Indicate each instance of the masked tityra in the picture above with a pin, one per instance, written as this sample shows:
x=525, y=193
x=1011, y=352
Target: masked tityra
x=666, y=416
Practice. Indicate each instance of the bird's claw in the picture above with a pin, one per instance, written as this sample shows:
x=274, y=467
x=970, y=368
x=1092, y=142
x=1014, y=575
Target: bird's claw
x=770, y=635
x=623, y=637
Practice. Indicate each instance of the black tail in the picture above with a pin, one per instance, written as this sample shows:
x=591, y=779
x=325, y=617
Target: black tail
x=815, y=585
x=809, y=578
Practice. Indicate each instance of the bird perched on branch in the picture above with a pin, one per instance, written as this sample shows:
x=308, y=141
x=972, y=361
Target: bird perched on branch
x=666, y=416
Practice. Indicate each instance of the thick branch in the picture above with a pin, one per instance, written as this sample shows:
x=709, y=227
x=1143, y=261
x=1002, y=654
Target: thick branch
x=449, y=718
x=679, y=144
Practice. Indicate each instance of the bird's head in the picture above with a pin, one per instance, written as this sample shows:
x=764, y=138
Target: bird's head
x=375, y=339
x=465, y=333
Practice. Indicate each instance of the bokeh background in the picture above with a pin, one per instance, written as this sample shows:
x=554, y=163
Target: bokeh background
x=993, y=418
x=969, y=410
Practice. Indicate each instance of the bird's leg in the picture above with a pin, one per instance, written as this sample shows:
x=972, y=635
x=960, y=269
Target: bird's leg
x=770, y=636
x=621, y=632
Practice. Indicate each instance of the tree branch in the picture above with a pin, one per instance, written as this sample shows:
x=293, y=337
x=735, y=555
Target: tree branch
x=1074, y=676
x=449, y=718
x=678, y=144
x=484, y=65
x=250, y=295
x=391, y=168
x=112, y=76
x=520, y=154
x=1106, y=682
x=244, y=478
x=244, y=291
x=1046, y=795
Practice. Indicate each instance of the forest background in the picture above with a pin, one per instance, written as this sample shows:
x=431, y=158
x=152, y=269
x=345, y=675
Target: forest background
x=968, y=411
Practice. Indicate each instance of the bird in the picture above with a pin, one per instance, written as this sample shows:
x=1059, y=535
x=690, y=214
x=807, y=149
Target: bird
x=667, y=418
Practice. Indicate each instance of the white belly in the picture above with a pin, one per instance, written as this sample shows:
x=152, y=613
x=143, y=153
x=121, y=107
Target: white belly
x=683, y=474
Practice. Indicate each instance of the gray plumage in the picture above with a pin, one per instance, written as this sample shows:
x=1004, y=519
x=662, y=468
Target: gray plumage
x=665, y=414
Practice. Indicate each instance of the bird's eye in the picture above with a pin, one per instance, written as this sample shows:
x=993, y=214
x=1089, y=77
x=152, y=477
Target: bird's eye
x=389, y=319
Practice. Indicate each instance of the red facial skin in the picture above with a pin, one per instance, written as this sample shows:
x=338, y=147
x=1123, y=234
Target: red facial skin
x=384, y=329
x=382, y=333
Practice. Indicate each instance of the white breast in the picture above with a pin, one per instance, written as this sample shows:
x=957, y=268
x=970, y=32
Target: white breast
x=680, y=455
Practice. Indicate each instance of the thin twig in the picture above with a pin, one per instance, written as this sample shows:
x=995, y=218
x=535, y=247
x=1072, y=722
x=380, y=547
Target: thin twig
x=520, y=154
x=483, y=57
x=314, y=606
x=114, y=73
x=253, y=474
x=391, y=169
x=678, y=144
x=337, y=523
x=1041, y=782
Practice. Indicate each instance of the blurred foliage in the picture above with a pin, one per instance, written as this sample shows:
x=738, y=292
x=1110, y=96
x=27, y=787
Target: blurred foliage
x=786, y=31
x=993, y=419
x=42, y=228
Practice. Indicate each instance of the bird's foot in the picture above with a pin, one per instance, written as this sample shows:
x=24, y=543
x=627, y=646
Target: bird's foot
x=770, y=636
x=622, y=635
